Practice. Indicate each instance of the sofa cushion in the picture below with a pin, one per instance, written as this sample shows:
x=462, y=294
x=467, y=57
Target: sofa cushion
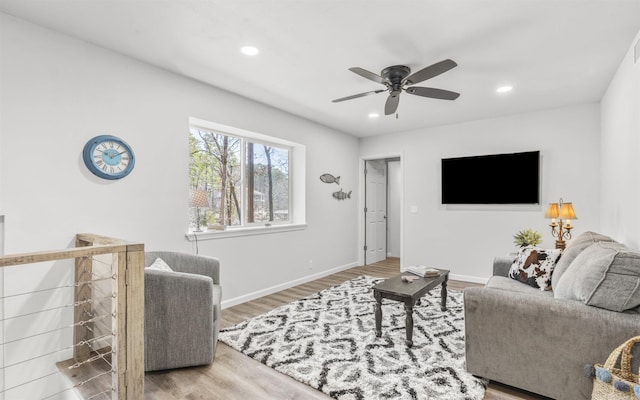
x=534, y=266
x=575, y=247
x=605, y=275
x=510, y=285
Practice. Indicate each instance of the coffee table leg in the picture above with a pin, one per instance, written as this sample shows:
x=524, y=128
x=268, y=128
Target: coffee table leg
x=408, y=307
x=443, y=294
x=378, y=297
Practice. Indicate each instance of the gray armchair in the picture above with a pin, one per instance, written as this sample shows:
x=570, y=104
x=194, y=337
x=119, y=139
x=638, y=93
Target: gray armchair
x=182, y=311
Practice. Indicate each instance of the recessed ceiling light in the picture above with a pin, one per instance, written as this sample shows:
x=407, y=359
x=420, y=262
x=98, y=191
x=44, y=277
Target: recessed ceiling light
x=249, y=50
x=504, y=89
x=373, y=115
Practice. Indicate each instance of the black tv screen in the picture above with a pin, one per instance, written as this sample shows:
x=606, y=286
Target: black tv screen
x=492, y=179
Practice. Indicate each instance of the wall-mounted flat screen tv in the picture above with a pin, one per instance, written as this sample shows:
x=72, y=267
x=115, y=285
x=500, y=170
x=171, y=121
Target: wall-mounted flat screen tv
x=512, y=178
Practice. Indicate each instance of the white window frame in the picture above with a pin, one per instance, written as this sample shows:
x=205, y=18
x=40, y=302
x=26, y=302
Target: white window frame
x=297, y=174
x=245, y=194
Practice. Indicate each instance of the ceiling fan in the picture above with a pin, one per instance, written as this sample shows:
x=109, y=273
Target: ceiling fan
x=396, y=78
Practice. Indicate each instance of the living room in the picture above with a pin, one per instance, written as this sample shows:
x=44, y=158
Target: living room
x=58, y=91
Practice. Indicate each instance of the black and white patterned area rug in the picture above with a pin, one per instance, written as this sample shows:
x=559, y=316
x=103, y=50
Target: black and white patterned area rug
x=328, y=341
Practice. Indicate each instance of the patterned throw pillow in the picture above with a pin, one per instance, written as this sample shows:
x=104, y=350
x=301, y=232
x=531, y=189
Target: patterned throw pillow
x=534, y=266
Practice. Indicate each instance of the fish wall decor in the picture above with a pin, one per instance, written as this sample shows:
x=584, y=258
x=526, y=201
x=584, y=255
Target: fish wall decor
x=341, y=195
x=328, y=178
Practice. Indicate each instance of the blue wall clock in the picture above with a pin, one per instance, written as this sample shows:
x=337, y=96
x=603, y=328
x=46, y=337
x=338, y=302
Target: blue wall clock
x=108, y=157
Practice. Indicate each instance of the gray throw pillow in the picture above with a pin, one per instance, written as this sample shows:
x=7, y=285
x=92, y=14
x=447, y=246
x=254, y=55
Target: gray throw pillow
x=575, y=247
x=605, y=275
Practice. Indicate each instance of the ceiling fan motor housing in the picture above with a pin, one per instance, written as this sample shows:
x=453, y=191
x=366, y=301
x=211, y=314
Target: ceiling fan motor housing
x=395, y=75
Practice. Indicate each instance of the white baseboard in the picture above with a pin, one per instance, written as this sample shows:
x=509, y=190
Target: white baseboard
x=468, y=278
x=464, y=278
x=273, y=289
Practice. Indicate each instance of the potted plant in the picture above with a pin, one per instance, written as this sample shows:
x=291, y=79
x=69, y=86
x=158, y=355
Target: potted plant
x=527, y=237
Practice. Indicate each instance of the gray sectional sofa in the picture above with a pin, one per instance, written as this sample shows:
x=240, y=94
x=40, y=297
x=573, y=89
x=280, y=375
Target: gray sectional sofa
x=540, y=341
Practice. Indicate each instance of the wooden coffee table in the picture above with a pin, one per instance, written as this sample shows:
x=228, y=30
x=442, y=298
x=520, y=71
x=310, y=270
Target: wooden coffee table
x=408, y=293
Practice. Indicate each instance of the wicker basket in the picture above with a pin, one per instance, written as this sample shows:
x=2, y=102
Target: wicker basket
x=612, y=383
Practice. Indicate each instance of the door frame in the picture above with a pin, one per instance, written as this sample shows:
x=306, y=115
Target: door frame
x=376, y=178
x=361, y=214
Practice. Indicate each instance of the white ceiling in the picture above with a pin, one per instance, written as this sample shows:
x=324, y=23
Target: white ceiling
x=553, y=52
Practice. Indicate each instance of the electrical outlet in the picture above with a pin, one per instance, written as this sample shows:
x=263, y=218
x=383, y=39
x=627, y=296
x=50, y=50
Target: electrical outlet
x=310, y=266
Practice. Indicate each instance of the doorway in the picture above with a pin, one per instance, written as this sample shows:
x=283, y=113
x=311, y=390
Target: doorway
x=382, y=210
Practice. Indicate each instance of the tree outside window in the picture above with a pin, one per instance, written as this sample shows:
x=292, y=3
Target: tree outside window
x=246, y=182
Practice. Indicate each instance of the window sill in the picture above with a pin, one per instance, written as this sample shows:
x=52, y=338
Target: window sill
x=246, y=231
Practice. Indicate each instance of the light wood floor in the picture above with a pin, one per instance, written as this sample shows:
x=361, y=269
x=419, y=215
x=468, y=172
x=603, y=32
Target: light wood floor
x=235, y=376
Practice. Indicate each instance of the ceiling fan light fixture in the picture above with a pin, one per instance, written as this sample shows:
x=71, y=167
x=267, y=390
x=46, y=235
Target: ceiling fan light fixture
x=374, y=115
x=504, y=89
x=249, y=50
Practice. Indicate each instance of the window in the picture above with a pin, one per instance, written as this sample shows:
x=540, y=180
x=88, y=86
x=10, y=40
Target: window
x=268, y=180
x=238, y=178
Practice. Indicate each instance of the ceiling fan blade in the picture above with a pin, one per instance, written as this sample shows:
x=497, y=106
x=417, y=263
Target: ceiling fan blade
x=430, y=71
x=355, y=96
x=391, y=105
x=433, y=93
x=369, y=75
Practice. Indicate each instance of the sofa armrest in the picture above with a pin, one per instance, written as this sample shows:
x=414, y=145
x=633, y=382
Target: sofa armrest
x=188, y=263
x=501, y=265
x=540, y=343
x=171, y=301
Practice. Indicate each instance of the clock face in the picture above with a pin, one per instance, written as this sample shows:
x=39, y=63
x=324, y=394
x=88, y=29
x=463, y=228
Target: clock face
x=108, y=157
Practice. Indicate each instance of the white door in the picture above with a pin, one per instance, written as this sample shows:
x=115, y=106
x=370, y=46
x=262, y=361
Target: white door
x=375, y=211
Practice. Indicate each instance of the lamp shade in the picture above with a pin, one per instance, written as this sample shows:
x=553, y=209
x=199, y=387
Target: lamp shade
x=199, y=199
x=553, y=211
x=566, y=212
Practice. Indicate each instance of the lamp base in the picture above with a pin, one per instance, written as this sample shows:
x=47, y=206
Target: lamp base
x=561, y=244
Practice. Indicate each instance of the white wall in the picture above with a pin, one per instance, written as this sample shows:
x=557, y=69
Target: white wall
x=466, y=239
x=620, y=153
x=58, y=92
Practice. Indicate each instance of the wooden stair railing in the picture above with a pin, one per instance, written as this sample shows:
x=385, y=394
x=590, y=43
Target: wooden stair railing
x=127, y=316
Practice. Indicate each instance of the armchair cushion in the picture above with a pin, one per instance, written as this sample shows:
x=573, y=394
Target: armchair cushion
x=189, y=263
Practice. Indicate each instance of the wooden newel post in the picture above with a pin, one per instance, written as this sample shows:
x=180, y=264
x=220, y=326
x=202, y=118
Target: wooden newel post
x=135, y=322
x=127, y=312
x=128, y=323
